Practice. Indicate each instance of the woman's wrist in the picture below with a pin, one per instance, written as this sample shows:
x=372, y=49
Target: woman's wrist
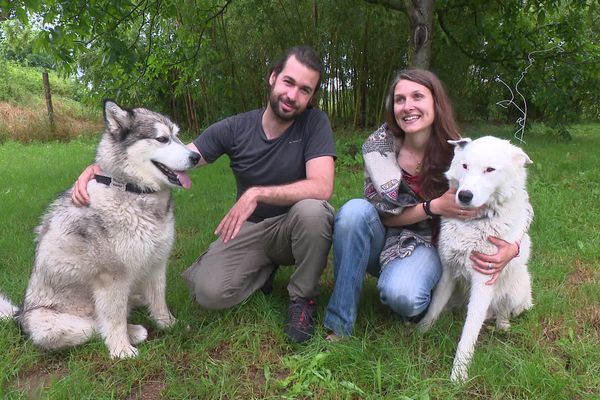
x=427, y=208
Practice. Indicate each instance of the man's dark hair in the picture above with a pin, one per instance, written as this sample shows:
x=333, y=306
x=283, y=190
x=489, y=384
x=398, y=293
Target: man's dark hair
x=306, y=55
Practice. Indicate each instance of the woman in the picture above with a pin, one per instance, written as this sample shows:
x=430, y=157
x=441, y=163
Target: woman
x=391, y=234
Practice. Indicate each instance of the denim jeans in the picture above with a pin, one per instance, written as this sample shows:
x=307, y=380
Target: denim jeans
x=405, y=284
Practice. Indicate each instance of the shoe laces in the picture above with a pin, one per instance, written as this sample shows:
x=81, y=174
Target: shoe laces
x=301, y=312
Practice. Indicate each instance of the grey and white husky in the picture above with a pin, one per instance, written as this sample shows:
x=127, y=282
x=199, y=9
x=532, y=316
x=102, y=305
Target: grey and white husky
x=93, y=264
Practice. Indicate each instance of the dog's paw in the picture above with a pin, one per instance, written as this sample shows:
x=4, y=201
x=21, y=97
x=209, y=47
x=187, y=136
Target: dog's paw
x=503, y=325
x=165, y=321
x=137, y=333
x=123, y=352
x=459, y=374
x=423, y=326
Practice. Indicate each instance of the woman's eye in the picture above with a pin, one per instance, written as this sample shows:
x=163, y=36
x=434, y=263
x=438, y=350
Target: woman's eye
x=490, y=169
x=162, y=139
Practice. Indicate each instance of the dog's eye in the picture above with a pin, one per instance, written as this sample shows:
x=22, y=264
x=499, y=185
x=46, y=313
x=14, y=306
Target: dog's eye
x=162, y=139
x=490, y=169
x=465, y=166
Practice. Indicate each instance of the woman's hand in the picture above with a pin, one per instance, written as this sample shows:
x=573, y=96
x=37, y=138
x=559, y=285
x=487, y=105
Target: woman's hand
x=446, y=206
x=79, y=195
x=493, y=264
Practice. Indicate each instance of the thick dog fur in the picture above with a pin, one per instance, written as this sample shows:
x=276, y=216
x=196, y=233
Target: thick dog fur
x=486, y=172
x=93, y=264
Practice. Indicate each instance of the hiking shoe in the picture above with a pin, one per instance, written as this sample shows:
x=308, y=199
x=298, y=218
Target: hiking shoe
x=300, y=324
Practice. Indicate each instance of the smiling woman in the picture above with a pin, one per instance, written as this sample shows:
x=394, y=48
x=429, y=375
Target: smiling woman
x=392, y=232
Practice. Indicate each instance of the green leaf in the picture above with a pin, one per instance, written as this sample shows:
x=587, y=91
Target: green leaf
x=541, y=17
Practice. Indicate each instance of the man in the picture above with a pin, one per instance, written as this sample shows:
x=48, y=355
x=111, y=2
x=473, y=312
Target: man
x=282, y=157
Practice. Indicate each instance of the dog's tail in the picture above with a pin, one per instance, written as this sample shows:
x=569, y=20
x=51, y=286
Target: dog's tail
x=7, y=309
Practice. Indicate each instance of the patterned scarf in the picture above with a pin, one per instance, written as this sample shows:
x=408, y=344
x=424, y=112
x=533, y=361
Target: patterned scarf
x=385, y=189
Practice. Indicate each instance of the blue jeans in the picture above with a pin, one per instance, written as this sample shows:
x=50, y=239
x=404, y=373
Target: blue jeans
x=405, y=284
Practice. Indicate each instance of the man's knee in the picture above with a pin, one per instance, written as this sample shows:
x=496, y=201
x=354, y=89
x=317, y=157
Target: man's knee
x=206, y=290
x=314, y=216
x=211, y=297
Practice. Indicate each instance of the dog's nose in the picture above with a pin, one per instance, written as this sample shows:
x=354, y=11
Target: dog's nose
x=465, y=196
x=195, y=158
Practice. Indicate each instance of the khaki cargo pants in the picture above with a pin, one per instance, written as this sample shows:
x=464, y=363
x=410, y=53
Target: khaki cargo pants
x=228, y=273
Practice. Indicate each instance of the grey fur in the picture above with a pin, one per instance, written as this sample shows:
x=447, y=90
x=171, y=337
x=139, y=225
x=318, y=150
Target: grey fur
x=93, y=264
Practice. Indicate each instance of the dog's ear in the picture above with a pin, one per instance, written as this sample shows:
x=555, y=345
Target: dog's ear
x=521, y=158
x=459, y=144
x=117, y=119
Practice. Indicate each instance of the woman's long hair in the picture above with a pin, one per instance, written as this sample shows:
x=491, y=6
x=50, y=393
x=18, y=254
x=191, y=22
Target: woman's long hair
x=439, y=152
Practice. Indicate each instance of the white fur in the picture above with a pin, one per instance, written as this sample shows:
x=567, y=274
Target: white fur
x=491, y=172
x=93, y=264
x=7, y=309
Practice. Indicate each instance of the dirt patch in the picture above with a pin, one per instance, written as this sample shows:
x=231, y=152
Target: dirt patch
x=37, y=379
x=220, y=352
x=552, y=329
x=584, y=272
x=590, y=315
x=149, y=389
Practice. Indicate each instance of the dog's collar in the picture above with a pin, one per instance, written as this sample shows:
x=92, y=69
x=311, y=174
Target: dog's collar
x=123, y=187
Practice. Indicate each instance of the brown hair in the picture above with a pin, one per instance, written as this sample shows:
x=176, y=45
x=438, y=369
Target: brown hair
x=308, y=57
x=439, y=152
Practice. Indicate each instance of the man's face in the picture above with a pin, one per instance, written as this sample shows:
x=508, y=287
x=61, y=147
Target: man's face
x=292, y=89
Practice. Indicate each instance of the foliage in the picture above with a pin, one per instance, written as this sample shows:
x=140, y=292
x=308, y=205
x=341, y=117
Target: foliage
x=551, y=352
x=16, y=44
x=200, y=61
x=488, y=41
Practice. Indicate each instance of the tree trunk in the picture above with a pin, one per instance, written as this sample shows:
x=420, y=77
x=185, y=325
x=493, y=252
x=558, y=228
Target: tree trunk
x=48, y=96
x=420, y=15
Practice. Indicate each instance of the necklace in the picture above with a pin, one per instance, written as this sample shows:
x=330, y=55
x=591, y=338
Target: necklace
x=418, y=167
x=416, y=160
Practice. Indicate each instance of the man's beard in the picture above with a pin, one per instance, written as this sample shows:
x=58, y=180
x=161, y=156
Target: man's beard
x=275, y=106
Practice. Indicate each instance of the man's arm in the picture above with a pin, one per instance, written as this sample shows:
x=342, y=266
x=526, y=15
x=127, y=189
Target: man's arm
x=317, y=185
x=193, y=148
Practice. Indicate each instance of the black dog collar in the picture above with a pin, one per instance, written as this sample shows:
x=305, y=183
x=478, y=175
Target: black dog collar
x=124, y=187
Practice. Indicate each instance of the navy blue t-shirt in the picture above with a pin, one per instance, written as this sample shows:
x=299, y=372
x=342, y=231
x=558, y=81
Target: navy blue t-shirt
x=258, y=161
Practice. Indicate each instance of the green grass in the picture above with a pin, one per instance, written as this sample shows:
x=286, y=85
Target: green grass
x=551, y=352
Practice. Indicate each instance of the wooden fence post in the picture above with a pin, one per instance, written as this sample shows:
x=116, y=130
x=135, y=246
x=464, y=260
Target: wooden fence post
x=48, y=96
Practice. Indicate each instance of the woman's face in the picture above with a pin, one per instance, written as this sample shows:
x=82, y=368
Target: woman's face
x=414, y=108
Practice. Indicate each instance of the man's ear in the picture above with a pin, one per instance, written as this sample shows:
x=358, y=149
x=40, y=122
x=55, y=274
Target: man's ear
x=272, y=78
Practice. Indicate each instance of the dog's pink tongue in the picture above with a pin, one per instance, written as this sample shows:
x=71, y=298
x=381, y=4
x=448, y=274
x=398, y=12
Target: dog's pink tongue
x=184, y=179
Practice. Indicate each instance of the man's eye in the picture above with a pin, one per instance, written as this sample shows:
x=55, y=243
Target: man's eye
x=162, y=139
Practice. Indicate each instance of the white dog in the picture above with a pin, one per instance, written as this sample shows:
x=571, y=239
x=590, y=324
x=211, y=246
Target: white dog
x=487, y=172
x=93, y=264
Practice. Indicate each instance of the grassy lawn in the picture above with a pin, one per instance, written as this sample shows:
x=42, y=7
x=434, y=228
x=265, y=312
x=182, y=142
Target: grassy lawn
x=552, y=351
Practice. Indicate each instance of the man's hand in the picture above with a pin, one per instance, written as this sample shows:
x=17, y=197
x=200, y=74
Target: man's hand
x=493, y=264
x=79, y=195
x=231, y=224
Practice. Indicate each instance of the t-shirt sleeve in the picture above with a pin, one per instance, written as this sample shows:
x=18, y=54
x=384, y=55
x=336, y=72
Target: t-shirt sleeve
x=215, y=140
x=320, y=137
